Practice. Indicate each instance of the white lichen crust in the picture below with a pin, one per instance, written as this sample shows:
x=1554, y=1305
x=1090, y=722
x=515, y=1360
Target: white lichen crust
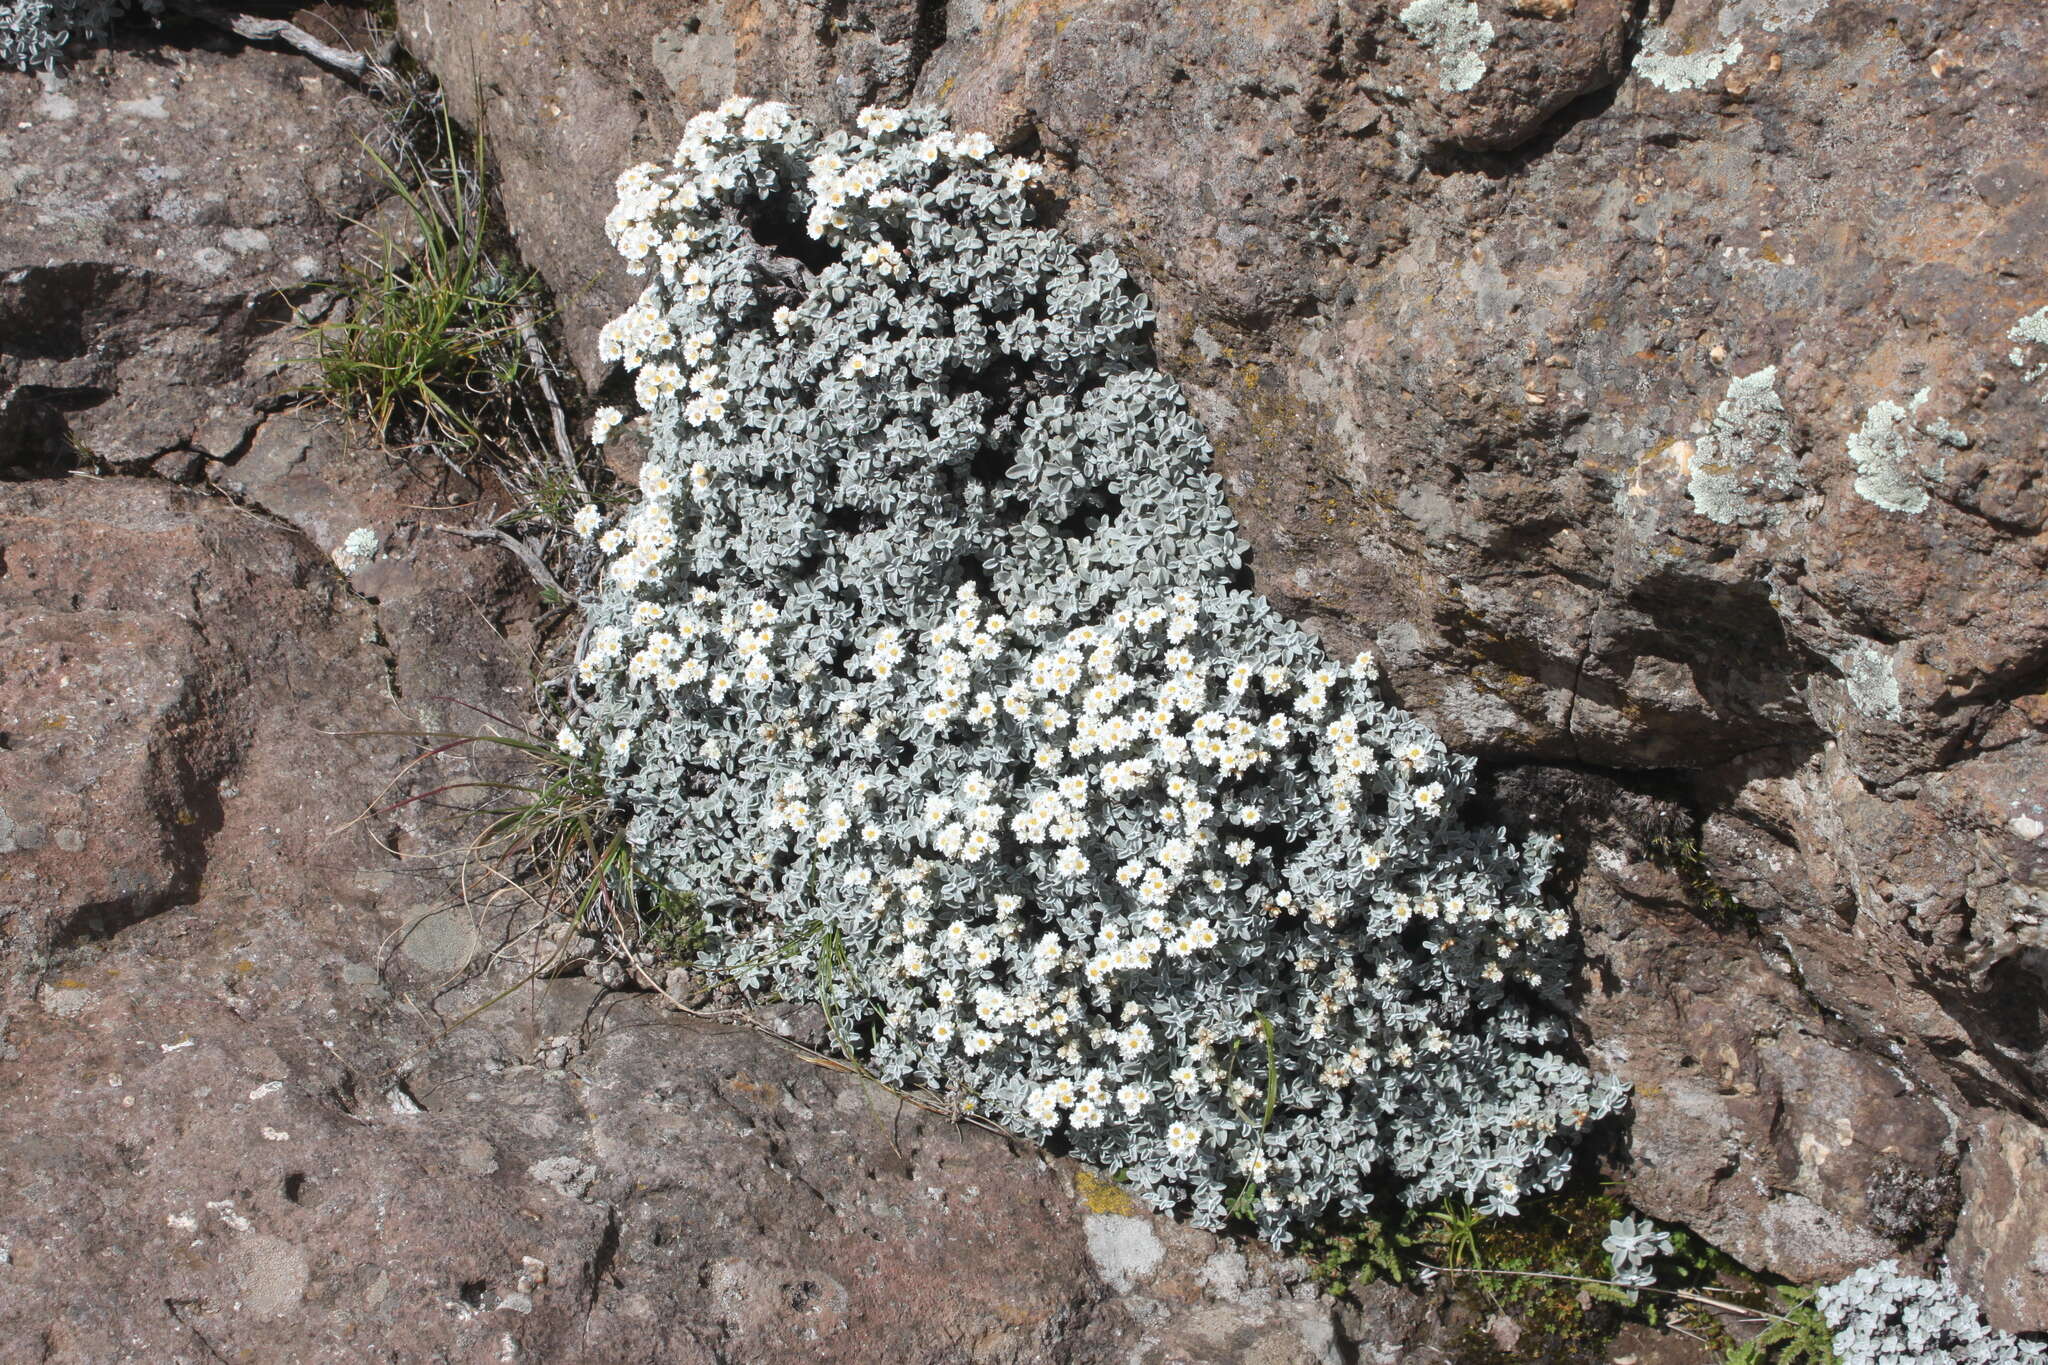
x=926, y=661
x=1743, y=465
x=1896, y=456
x=2028, y=332
x=1675, y=71
x=1453, y=30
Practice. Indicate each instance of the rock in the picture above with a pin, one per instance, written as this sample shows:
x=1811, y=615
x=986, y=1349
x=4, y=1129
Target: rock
x=202, y=1020
x=2000, y=1251
x=288, y=1155
x=1755, y=1121
x=1581, y=391
x=147, y=262
x=266, y=1052
x=557, y=1052
x=565, y=1175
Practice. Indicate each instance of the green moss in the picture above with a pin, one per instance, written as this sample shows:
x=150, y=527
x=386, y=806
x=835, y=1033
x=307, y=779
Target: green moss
x=1562, y=1321
x=671, y=925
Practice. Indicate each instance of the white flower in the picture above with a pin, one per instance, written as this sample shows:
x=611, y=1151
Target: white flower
x=1134, y=1041
x=603, y=422
x=586, y=521
x=1041, y=1108
x=568, y=742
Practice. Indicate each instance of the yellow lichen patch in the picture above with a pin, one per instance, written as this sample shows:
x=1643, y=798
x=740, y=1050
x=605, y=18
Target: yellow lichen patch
x=1098, y=1195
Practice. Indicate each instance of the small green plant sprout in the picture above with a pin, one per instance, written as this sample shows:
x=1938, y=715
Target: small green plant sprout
x=1715, y=903
x=1630, y=1245
x=1800, y=1336
x=1362, y=1252
x=1454, y=1234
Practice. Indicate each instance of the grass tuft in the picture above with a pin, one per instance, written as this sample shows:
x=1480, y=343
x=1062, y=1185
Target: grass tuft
x=430, y=348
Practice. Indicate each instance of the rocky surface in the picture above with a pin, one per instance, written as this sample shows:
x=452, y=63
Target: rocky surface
x=276, y=1088
x=147, y=260
x=1660, y=390
x=253, y=1113
x=1657, y=393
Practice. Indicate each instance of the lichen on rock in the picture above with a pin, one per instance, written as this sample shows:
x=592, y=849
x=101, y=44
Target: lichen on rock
x=1872, y=684
x=1674, y=71
x=1891, y=468
x=2028, y=332
x=1745, y=454
x=1453, y=30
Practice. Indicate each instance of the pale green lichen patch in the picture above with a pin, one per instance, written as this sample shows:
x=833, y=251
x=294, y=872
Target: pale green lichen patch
x=1743, y=464
x=1773, y=16
x=2028, y=332
x=1873, y=686
x=1888, y=471
x=1457, y=35
x=1668, y=70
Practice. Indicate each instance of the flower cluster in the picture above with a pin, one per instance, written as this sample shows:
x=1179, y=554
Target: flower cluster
x=33, y=32
x=925, y=661
x=1881, y=1316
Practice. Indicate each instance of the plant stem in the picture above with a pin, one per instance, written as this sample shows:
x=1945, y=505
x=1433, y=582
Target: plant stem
x=1688, y=1295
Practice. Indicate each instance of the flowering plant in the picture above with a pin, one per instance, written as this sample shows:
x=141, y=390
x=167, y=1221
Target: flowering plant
x=1882, y=1316
x=33, y=32
x=926, y=661
x=1631, y=1244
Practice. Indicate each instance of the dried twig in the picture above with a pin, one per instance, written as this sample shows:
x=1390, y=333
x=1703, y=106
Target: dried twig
x=1755, y=1314
x=525, y=552
x=252, y=29
x=539, y=356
